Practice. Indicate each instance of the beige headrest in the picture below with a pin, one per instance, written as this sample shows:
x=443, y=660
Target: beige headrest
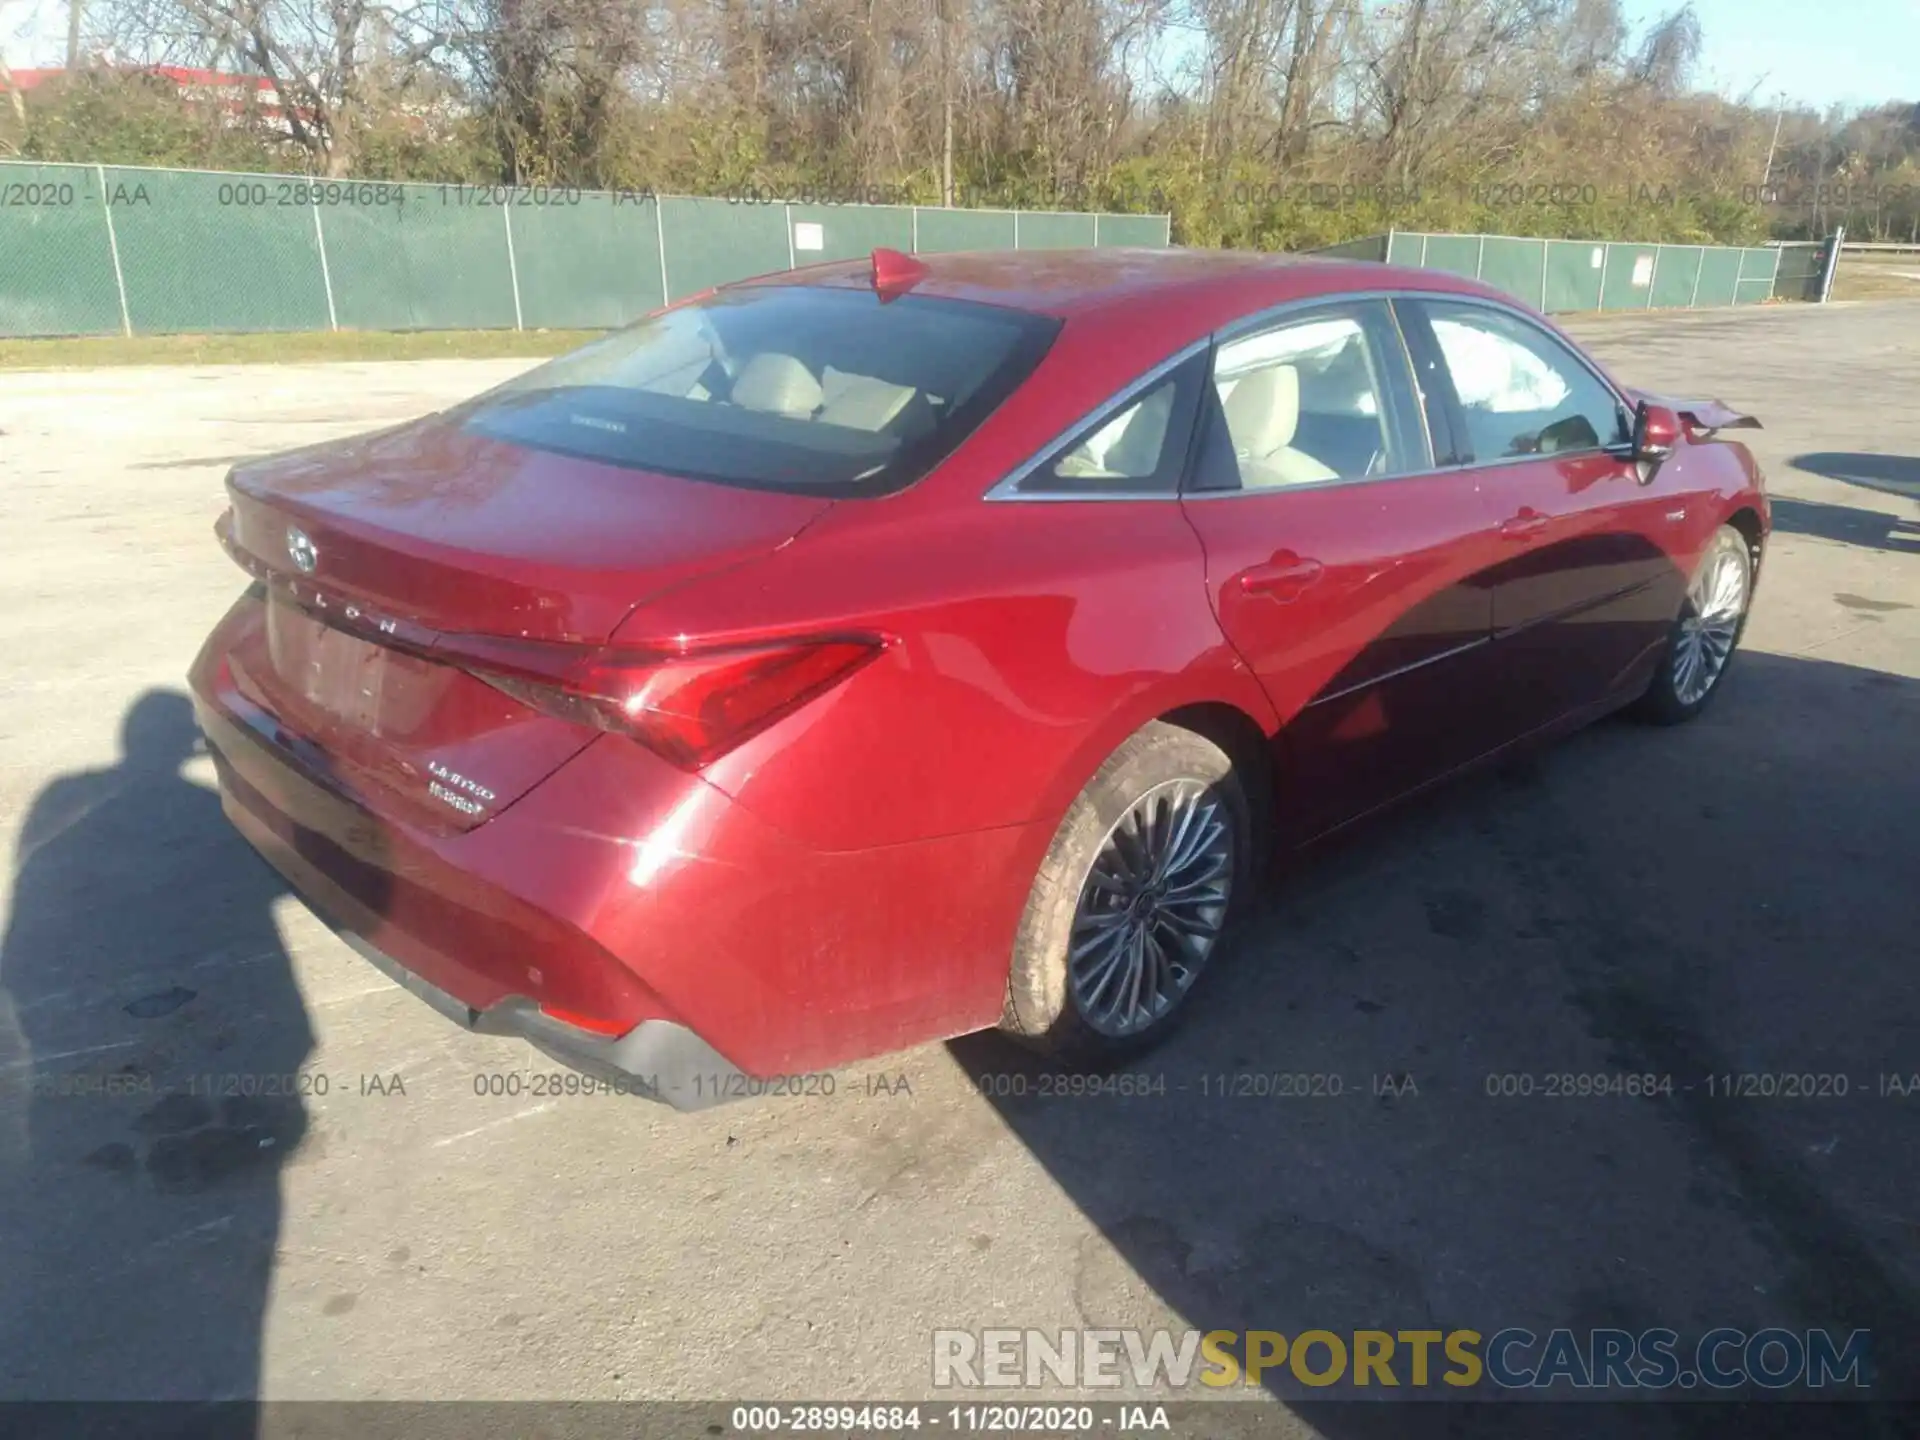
x=860, y=401
x=777, y=383
x=1136, y=450
x=1264, y=411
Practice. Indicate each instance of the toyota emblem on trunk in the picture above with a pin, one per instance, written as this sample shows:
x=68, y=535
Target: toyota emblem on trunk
x=301, y=550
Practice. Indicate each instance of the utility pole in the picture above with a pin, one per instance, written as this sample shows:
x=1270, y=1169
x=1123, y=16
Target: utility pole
x=1778, y=115
x=73, y=35
x=946, y=108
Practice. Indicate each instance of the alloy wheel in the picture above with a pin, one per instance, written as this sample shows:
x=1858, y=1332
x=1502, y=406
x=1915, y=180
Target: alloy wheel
x=1151, y=908
x=1709, y=625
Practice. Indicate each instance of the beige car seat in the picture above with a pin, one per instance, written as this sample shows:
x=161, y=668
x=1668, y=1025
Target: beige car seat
x=783, y=385
x=1263, y=412
x=1127, y=446
x=860, y=402
x=778, y=384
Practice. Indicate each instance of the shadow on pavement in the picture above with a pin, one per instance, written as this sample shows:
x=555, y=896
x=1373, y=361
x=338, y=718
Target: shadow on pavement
x=1892, y=474
x=1729, y=898
x=1846, y=525
x=148, y=1017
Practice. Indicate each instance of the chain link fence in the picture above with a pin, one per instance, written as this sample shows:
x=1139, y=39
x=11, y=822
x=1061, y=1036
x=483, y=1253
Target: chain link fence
x=1576, y=275
x=106, y=250
x=1807, y=268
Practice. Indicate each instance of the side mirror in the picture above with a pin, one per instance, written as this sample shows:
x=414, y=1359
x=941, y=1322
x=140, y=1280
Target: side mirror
x=1656, y=430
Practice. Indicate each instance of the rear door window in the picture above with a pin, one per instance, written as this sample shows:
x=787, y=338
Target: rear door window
x=1311, y=399
x=1302, y=404
x=786, y=387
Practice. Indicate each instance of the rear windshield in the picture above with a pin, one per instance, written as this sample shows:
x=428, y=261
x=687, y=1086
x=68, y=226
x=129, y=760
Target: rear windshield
x=783, y=387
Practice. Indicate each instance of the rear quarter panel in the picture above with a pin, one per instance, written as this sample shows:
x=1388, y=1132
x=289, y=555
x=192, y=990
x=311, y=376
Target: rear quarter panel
x=1027, y=640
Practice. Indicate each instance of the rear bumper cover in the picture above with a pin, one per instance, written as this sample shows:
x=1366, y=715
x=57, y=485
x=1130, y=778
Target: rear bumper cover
x=628, y=919
x=656, y=1060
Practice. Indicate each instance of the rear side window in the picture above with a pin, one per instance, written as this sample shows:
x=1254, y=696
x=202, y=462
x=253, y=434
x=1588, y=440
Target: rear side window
x=782, y=387
x=1136, y=444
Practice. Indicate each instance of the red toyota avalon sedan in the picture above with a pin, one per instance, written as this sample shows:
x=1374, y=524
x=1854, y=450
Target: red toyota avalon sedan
x=898, y=648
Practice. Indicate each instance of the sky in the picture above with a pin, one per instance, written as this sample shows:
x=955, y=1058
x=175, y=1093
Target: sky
x=1814, y=52
x=1846, y=52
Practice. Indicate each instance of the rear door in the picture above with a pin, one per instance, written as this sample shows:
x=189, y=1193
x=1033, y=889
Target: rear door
x=1343, y=568
x=1587, y=588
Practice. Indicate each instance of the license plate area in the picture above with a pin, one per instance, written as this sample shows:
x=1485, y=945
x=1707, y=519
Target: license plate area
x=406, y=736
x=366, y=687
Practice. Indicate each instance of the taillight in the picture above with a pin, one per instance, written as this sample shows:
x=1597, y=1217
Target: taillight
x=689, y=707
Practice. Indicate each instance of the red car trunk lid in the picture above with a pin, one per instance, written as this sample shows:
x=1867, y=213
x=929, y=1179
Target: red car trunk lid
x=436, y=525
x=376, y=548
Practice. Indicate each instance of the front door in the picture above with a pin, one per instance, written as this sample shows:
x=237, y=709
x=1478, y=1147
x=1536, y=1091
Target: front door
x=1587, y=588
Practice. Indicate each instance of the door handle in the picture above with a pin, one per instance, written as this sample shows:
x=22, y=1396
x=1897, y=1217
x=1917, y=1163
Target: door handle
x=1528, y=522
x=1282, y=578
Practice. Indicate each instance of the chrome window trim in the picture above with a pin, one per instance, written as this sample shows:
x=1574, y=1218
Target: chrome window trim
x=1265, y=319
x=1259, y=319
x=1269, y=491
x=1007, y=487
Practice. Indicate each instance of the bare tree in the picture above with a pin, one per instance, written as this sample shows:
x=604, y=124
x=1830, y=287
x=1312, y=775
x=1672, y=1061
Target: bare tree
x=14, y=97
x=552, y=76
x=1670, y=51
x=1437, y=73
x=1030, y=101
x=11, y=89
x=326, y=59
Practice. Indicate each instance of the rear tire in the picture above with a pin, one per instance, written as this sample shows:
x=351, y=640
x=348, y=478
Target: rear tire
x=1145, y=875
x=1705, y=634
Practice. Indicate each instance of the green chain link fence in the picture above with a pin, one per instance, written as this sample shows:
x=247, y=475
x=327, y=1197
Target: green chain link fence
x=103, y=250
x=1574, y=275
x=106, y=250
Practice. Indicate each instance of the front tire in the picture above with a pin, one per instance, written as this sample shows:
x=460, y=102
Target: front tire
x=1142, y=880
x=1705, y=634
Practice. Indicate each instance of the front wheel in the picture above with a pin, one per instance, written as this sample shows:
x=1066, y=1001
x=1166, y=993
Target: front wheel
x=1132, y=900
x=1705, y=633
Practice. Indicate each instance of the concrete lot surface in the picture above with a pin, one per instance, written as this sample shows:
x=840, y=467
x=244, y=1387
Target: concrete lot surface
x=1736, y=896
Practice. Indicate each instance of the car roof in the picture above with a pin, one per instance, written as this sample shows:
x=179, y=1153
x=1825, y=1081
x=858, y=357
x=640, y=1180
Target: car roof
x=1211, y=286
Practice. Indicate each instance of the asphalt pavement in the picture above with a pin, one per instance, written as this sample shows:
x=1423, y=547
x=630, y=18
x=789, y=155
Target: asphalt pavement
x=1731, y=898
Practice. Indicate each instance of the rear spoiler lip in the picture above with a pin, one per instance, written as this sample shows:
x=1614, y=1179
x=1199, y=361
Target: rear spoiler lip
x=1704, y=417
